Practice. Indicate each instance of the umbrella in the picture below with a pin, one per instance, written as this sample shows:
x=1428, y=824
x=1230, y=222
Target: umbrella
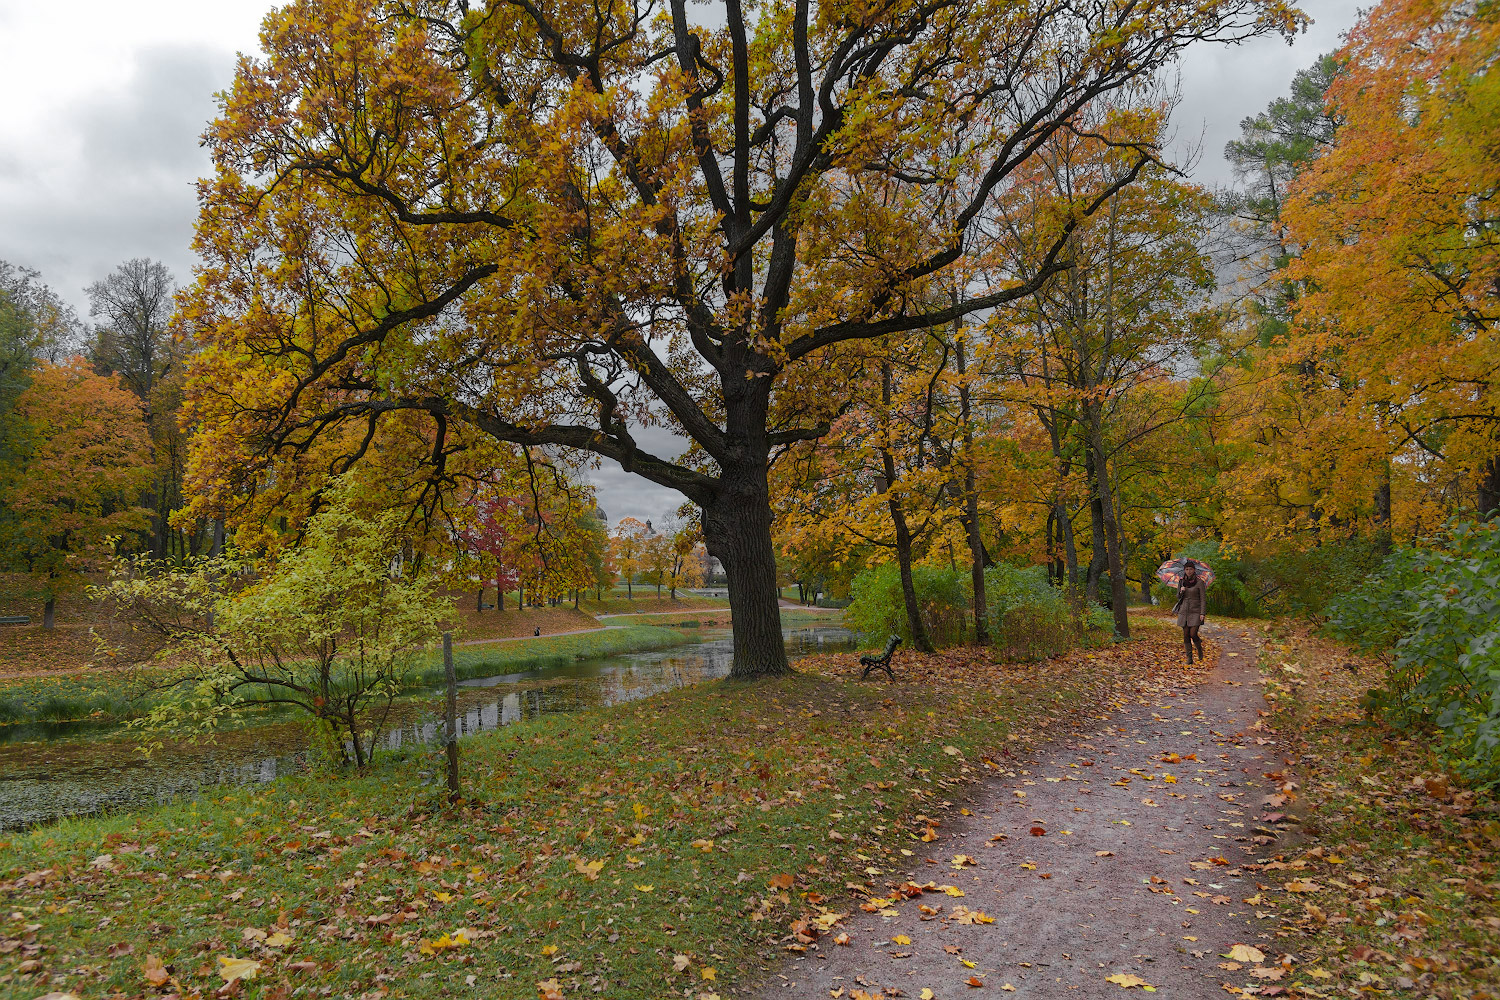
x=1170, y=572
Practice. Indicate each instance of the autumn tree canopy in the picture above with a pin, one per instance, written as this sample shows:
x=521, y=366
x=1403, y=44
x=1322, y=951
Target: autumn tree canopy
x=558, y=223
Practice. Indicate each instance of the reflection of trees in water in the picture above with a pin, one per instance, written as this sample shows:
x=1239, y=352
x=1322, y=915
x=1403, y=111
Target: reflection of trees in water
x=64, y=777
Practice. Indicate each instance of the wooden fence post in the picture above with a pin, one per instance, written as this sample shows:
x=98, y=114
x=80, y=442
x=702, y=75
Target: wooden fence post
x=451, y=732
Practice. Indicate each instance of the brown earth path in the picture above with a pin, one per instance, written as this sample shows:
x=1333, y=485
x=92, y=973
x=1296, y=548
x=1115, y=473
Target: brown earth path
x=1066, y=915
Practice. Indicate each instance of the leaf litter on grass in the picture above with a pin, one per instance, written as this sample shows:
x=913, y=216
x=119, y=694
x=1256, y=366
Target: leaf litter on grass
x=618, y=839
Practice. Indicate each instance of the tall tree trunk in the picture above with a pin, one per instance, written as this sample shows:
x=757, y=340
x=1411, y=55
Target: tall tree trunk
x=737, y=530
x=1487, y=496
x=49, y=613
x=1070, y=548
x=971, y=502
x=1053, y=534
x=919, y=637
x=479, y=601
x=1098, y=556
x=1118, y=589
x=1383, y=542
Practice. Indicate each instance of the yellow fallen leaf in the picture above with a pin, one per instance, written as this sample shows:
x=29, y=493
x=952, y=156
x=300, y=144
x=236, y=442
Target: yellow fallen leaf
x=1125, y=980
x=548, y=950
x=279, y=939
x=709, y=973
x=645, y=888
x=704, y=844
x=926, y=994
x=901, y=939
x=238, y=968
x=1246, y=953
x=680, y=962
x=1008, y=988
x=443, y=897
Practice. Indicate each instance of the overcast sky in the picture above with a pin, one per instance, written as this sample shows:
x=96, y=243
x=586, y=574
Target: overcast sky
x=105, y=101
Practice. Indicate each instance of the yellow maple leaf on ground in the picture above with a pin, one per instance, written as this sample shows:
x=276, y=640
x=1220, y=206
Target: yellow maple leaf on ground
x=1246, y=953
x=238, y=968
x=1126, y=980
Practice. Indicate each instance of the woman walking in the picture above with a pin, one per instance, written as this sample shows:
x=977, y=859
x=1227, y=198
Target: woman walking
x=1190, y=608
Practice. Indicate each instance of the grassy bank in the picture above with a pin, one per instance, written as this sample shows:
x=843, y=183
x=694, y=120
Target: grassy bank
x=1394, y=886
x=118, y=694
x=648, y=849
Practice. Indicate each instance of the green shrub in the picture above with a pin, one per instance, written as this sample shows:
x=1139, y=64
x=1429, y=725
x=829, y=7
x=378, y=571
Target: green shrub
x=1437, y=610
x=877, y=608
x=1303, y=583
x=1028, y=617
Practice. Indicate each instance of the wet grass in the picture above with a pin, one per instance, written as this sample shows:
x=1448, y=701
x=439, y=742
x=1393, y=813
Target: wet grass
x=654, y=848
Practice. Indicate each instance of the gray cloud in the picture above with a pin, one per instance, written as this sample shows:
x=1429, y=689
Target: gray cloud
x=112, y=178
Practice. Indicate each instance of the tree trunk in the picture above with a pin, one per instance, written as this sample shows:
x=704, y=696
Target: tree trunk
x=1070, y=548
x=971, y=504
x=1098, y=556
x=479, y=601
x=919, y=638
x=1383, y=511
x=737, y=530
x=1488, y=493
x=49, y=612
x=1118, y=589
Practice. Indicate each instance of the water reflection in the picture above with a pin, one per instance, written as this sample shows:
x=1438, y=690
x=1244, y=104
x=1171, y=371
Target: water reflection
x=65, y=770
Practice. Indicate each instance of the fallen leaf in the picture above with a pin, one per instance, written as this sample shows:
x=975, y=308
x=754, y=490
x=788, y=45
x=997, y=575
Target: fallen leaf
x=238, y=968
x=1125, y=980
x=154, y=971
x=1246, y=953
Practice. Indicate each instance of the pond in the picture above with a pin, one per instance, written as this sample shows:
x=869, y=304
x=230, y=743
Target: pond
x=49, y=771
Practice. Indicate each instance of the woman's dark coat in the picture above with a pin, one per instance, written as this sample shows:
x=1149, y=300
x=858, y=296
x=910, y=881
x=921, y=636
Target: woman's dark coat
x=1191, y=603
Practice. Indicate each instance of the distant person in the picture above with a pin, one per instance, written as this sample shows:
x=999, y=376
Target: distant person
x=1191, y=604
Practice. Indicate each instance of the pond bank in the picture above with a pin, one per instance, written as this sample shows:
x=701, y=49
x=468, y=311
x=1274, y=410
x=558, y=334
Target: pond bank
x=51, y=771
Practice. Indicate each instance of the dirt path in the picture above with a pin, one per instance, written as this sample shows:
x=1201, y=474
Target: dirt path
x=1134, y=874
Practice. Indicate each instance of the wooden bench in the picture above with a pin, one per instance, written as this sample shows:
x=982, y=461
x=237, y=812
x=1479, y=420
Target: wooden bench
x=15, y=619
x=871, y=662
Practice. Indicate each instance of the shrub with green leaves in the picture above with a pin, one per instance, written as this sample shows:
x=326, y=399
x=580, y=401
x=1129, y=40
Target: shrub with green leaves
x=1437, y=610
x=331, y=630
x=877, y=608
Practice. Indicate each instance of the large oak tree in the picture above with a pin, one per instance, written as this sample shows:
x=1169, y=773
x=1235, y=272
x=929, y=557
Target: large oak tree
x=561, y=222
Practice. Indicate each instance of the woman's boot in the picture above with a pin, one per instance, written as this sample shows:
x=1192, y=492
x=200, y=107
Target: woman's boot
x=1187, y=641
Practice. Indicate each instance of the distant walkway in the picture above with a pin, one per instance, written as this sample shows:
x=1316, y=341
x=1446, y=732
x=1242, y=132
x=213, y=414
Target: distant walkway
x=548, y=635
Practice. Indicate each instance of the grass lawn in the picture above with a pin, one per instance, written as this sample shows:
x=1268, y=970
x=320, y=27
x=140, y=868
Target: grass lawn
x=655, y=848
x=1396, y=887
